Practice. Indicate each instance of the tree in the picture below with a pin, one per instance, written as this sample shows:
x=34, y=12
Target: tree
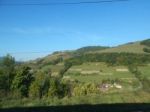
x=85, y=89
x=40, y=86
x=147, y=50
x=22, y=80
x=7, y=72
x=54, y=88
x=58, y=88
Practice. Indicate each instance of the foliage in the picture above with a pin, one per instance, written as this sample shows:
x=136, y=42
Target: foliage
x=146, y=50
x=22, y=80
x=90, y=48
x=66, y=67
x=40, y=86
x=146, y=42
x=144, y=80
x=47, y=89
x=7, y=72
x=111, y=58
x=85, y=89
x=58, y=88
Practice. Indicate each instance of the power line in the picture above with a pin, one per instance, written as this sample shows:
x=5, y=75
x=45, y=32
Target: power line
x=61, y=3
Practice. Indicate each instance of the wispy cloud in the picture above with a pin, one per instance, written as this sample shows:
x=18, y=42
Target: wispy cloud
x=70, y=34
x=33, y=30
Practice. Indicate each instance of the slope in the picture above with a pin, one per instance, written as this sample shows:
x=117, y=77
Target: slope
x=135, y=47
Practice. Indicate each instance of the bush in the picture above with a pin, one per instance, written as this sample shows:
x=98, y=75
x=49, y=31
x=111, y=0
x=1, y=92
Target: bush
x=146, y=50
x=146, y=42
x=23, y=80
x=85, y=89
x=40, y=86
x=58, y=89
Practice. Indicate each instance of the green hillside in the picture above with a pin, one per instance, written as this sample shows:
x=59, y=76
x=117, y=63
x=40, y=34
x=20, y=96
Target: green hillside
x=89, y=75
x=129, y=48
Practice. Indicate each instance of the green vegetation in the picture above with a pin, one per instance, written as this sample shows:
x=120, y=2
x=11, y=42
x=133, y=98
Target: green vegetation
x=147, y=44
x=134, y=47
x=90, y=49
x=76, y=78
x=22, y=81
x=7, y=72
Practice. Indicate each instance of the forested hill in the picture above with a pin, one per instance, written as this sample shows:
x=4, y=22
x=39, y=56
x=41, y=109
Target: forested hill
x=140, y=47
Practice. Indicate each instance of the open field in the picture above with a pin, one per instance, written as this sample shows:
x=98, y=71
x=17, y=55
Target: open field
x=130, y=48
x=96, y=72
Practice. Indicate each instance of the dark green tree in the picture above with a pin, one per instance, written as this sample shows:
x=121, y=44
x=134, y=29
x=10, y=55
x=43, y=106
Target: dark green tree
x=40, y=86
x=22, y=80
x=7, y=73
x=58, y=88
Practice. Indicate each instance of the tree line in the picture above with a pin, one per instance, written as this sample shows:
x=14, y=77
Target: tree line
x=21, y=81
x=111, y=58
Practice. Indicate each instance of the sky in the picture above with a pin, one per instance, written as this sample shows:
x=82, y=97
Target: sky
x=32, y=31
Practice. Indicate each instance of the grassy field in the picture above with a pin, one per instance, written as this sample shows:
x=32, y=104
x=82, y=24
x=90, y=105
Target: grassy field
x=130, y=48
x=96, y=72
x=109, y=98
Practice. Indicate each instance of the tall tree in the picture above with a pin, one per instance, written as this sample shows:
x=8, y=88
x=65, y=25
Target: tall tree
x=22, y=80
x=7, y=72
x=40, y=86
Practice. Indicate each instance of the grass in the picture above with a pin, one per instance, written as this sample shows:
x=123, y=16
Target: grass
x=109, y=98
x=145, y=70
x=53, y=68
x=130, y=48
x=128, y=80
x=104, y=72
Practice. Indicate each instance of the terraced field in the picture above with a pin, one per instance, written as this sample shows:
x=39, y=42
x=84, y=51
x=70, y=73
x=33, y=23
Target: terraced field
x=96, y=72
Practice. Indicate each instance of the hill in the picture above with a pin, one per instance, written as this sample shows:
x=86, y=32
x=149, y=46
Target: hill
x=133, y=47
x=89, y=75
x=60, y=56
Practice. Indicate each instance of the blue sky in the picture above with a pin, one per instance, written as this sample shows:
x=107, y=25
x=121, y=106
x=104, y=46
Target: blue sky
x=44, y=29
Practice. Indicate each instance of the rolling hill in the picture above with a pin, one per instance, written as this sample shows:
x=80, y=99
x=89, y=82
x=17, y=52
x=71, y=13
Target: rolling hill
x=134, y=47
x=112, y=75
x=54, y=58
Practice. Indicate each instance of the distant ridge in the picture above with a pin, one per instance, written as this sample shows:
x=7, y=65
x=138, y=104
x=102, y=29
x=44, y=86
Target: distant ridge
x=131, y=47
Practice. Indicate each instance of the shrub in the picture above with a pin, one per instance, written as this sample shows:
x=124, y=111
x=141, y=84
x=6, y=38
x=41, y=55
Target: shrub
x=85, y=89
x=40, y=86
